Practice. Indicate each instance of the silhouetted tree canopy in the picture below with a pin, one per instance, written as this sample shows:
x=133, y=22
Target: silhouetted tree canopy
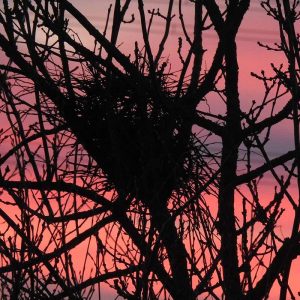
x=140, y=167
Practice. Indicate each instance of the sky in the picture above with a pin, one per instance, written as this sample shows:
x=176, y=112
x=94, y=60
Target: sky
x=252, y=58
x=256, y=27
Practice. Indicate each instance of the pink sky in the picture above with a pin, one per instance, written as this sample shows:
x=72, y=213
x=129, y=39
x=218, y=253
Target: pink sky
x=252, y=58
x=256, y=27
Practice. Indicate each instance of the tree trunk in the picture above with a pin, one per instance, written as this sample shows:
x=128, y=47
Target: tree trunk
x=176, y=251
x=231, y=140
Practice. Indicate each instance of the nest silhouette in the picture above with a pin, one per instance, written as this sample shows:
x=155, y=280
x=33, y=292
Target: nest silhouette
x=136, y=137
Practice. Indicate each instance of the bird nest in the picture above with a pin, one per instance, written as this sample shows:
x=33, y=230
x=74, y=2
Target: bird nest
x=136, y=139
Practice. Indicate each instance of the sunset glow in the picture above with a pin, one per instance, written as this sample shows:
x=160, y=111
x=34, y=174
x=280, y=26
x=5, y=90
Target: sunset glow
x=149, y=149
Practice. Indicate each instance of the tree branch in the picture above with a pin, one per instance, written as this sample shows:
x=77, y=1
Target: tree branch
x=244, y=178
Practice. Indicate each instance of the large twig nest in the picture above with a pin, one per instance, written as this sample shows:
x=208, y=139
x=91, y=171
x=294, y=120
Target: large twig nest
x=141, y=145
